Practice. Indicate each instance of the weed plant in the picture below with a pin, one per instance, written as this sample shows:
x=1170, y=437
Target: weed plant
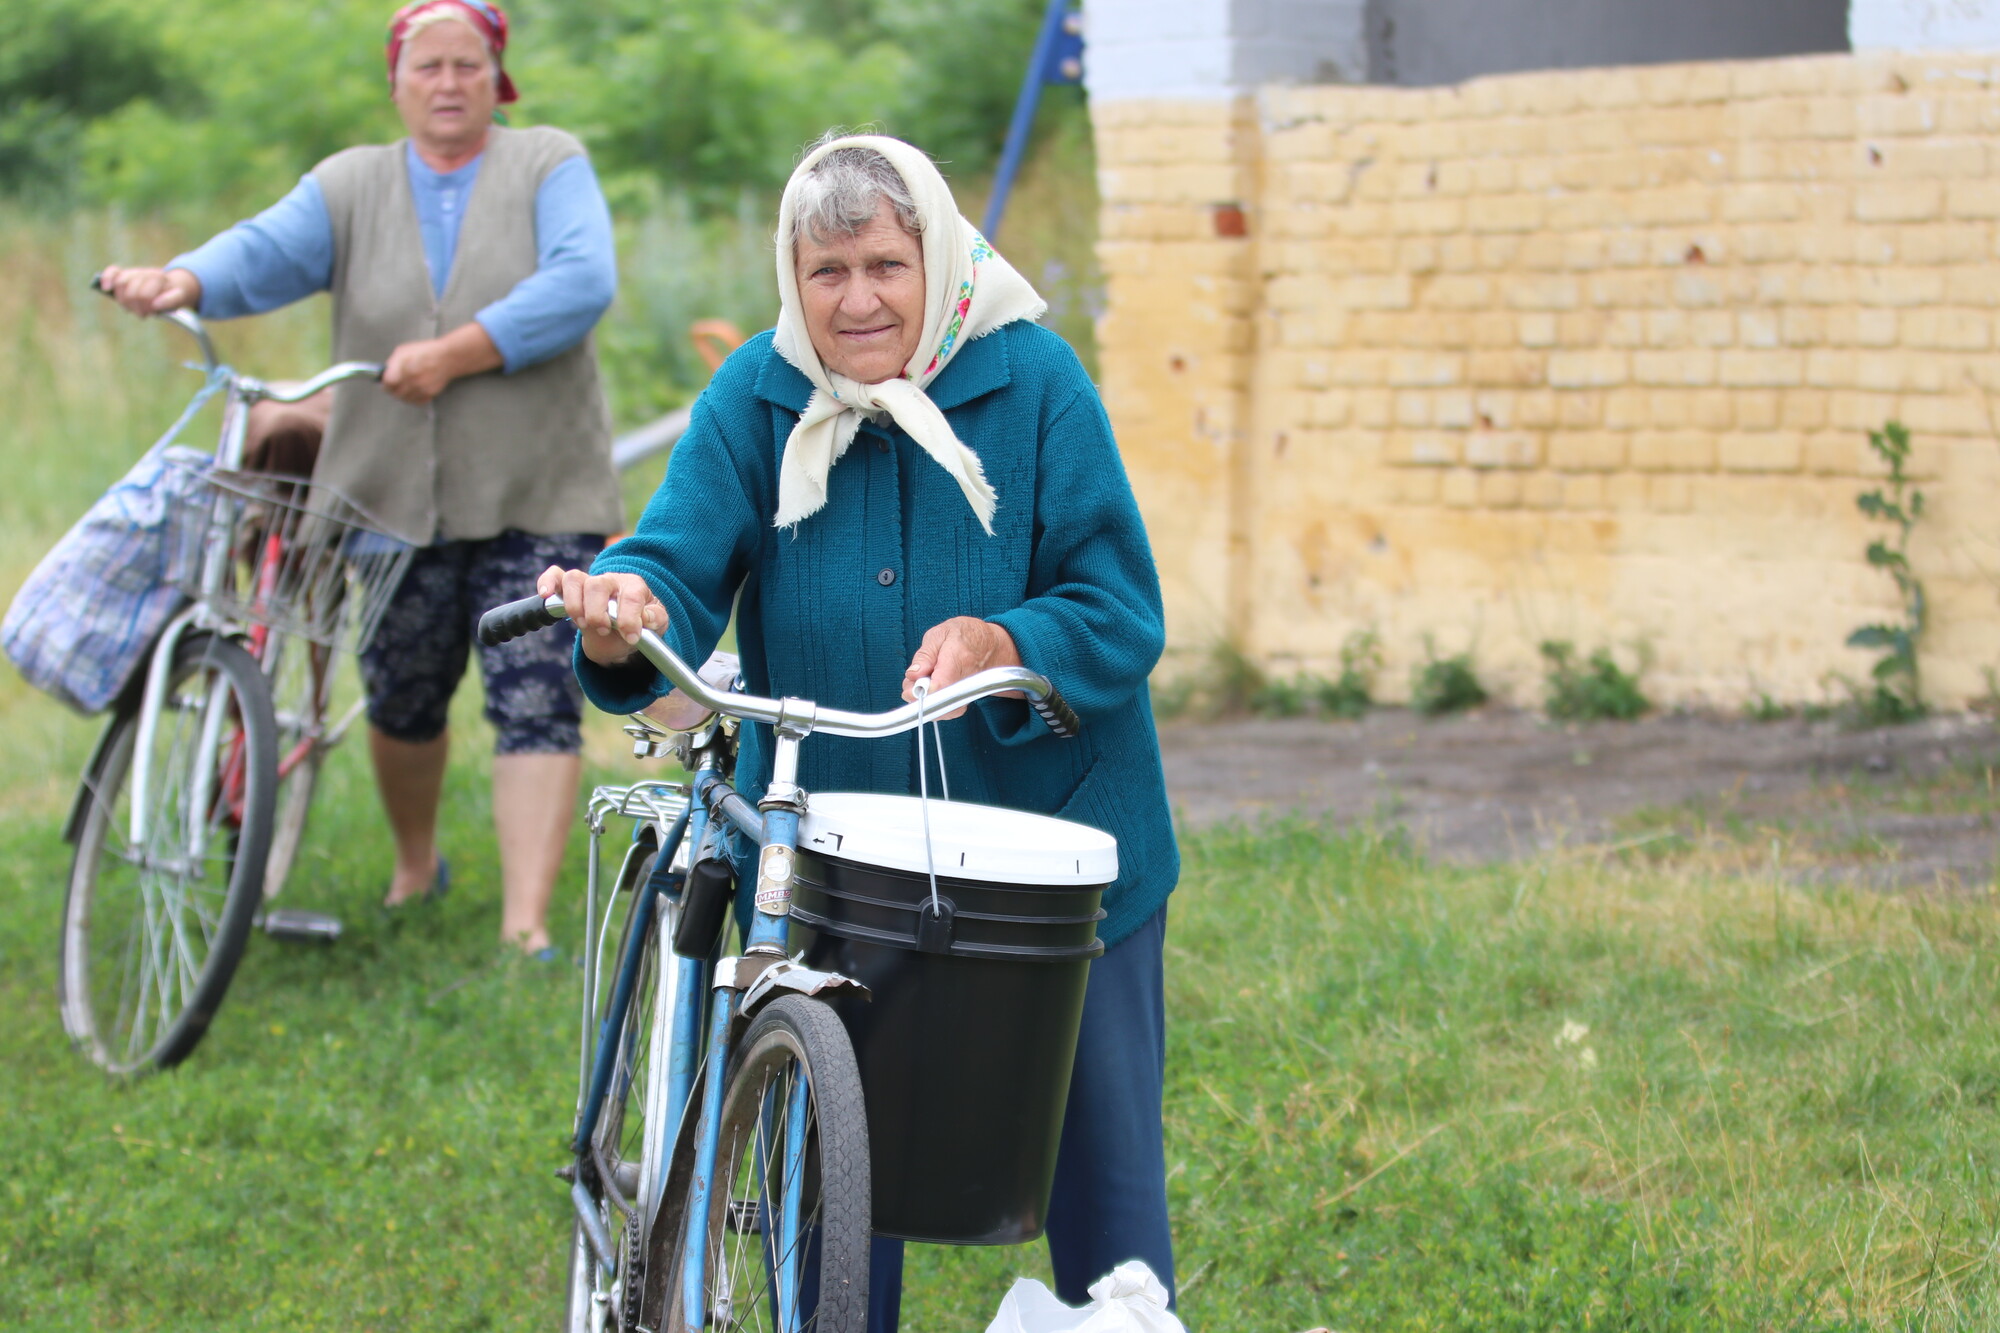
x=1349, y=695
x=1988, y=704
x=1591, y=691
x=1440, y=685
x=1894, y=694
x=1284, y=697
x=1765, y=708
x=1224, y=683
x=1227, y=683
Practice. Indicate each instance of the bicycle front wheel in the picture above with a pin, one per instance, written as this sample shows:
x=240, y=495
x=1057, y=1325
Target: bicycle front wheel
x=785, y=1234
x=165, y=881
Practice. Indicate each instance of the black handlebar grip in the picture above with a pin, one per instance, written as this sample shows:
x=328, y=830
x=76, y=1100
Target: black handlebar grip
x=1056, y=712
x=511, y=621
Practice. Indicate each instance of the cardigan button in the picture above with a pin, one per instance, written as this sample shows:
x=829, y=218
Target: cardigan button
x=886, y=577
x=881, y=445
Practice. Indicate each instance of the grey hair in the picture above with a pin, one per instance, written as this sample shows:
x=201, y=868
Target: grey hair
x=844, y=191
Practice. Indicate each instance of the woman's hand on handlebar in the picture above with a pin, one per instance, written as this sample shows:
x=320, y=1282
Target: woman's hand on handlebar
x=151, y=291
x=960, y=647
x=588, y=598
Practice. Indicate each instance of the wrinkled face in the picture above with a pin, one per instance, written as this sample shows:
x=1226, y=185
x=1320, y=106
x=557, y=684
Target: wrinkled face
x=446, y=86
x=863, y=297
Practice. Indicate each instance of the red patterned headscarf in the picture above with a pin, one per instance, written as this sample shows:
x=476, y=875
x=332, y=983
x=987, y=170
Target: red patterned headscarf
x=488, y=20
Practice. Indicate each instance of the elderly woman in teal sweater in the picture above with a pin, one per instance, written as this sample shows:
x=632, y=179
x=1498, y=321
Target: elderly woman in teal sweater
x=909, y=477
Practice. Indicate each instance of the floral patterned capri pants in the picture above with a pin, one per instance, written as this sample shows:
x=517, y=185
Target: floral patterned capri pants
x=418, y=654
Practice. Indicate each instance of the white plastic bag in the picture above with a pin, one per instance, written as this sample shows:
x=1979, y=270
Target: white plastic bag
x=1128, y=1299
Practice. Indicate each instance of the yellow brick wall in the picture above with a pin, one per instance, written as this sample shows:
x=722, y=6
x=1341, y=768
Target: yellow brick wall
x=1585, y=355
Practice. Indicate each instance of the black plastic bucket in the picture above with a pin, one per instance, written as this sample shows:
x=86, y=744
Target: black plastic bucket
x=966, y=1042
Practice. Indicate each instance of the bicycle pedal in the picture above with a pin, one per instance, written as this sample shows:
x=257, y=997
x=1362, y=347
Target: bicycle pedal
x=290, y=923
x=746, y=1217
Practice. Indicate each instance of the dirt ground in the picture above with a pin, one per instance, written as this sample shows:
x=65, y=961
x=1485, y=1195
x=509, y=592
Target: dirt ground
x=1893, y=806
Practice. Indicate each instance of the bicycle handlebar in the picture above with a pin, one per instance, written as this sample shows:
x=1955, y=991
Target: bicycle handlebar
x=251, y=388
x=515, y=619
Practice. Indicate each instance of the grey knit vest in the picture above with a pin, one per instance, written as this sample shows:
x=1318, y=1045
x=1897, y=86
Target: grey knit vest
x=531, y=450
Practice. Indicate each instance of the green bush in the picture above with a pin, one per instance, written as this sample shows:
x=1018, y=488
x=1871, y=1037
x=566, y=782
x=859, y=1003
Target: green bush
x=64, y=63
x=218, y=107
x=1440, y=685
x=1591, y=691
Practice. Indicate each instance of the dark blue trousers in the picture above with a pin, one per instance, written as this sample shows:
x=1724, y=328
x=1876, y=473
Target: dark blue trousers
x=1110, y=1199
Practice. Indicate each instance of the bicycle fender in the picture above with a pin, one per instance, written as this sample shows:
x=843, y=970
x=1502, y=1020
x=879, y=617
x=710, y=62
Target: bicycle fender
x=797, y=979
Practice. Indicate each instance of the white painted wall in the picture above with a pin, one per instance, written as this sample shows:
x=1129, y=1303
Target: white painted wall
x=1924, y=25
x=1208, y=49
x=1156, y=48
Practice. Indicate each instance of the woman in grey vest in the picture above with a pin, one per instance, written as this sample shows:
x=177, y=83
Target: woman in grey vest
x=473, y=260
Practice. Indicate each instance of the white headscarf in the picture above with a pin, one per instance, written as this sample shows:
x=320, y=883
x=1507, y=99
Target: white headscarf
x=968, y=291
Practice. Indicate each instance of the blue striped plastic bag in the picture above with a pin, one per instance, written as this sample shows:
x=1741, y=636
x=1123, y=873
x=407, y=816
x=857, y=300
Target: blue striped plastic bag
x=82, y=623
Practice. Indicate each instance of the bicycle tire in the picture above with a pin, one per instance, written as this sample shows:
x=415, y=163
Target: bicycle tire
x=301, y=676
x=151, y=935
x=633, y=1129
x=743, y=1287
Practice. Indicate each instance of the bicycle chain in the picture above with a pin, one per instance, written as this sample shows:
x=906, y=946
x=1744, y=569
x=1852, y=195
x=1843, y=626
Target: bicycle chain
x=631, y=1280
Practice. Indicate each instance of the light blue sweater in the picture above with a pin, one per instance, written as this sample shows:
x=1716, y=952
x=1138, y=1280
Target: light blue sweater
x=833, y=610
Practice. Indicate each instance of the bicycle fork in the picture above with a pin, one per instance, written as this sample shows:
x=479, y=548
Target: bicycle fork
x=741, y=987
x=152, y=706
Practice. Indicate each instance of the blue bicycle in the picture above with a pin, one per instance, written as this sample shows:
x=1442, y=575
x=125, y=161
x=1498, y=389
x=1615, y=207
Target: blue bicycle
x=724, y=1175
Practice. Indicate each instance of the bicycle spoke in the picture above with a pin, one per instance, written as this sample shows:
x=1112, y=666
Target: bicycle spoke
x=765, y=1209
x=207, y=919
x=131, y=988
x=147, y=962
x=189, y=969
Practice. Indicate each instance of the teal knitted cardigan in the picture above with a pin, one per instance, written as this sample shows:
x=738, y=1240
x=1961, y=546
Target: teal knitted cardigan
x=833, y=609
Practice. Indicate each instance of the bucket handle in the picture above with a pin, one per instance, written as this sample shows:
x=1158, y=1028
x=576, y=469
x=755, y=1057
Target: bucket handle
x=934, y=918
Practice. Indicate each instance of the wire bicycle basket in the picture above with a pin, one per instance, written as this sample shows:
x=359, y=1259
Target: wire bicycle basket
x=300, y=558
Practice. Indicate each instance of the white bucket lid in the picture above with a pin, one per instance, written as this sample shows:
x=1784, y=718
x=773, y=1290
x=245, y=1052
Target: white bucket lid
x=982, y=842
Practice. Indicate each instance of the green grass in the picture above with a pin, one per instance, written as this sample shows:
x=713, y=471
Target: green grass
x=1574, y=1093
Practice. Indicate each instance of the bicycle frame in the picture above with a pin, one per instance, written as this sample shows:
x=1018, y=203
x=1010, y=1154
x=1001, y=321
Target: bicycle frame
x=240, y=392
x=739, y=984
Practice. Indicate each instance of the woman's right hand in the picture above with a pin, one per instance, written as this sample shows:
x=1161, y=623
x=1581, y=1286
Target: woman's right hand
x=588, y=599
x=151, y=291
